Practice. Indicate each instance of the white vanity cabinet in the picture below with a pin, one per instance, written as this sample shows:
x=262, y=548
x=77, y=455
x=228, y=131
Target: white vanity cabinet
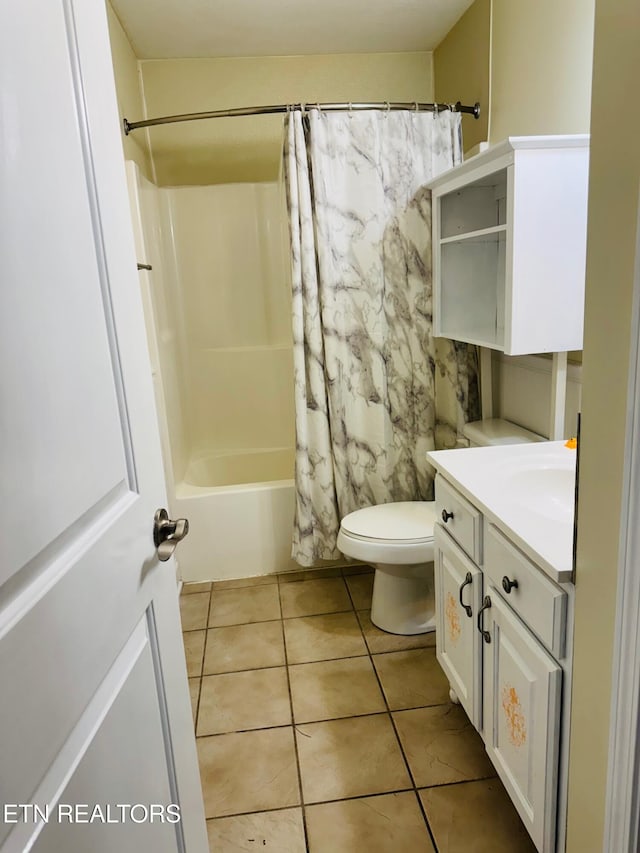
x=509, y=246
x=501, y=639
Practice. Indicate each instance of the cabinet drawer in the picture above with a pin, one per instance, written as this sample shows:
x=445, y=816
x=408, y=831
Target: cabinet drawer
x=540, y=603
x=464, y=524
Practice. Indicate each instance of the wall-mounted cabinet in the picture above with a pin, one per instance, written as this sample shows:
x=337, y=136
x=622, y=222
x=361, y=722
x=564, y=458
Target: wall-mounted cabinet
x=509, y=246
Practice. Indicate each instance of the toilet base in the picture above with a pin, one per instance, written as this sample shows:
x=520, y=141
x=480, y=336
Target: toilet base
x=403, y=598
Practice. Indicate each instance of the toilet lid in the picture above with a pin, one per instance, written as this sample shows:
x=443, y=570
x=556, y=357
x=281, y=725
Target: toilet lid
x=401, y=521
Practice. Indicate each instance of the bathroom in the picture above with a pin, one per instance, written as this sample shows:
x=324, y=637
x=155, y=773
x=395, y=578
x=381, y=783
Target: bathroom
x=209, y=200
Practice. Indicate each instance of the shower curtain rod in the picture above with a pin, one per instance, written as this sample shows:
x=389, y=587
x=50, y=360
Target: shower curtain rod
x=286, y=108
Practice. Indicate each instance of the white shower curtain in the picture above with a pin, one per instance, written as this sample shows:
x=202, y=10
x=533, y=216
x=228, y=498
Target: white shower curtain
x=364, y=356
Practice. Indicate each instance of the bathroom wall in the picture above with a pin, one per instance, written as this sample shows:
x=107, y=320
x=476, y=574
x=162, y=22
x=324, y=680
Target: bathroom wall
x=611, y=257
x=540, y=53
x=541, y=67
x=249, y=149
x=129, y=93
x=461, y=69
x=522, y=393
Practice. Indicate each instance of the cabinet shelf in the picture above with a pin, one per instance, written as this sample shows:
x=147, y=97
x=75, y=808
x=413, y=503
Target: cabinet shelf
x=476, y=236
x=509, y=246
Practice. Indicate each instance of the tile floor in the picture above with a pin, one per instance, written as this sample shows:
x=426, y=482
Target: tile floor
x=318, y=732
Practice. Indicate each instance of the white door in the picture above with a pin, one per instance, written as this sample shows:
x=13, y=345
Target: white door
x=458, y=584
x=522, y=718
x=94, y=707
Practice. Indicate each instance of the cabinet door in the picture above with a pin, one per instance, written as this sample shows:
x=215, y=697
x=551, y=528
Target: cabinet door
x=522, y=718
x=458, y=584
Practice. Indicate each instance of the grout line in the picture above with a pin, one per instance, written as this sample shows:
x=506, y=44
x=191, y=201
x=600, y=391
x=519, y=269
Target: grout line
x=255, y=811
x=279, y=619
x=204, y=652
x=295, y=740
x=297, y=724
x=402, y=752
x=355, y=797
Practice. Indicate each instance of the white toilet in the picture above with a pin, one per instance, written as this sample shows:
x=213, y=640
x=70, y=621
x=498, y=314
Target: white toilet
x=397, y=540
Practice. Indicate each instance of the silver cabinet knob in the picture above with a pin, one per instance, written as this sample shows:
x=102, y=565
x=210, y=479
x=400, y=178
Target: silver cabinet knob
x=167, y=533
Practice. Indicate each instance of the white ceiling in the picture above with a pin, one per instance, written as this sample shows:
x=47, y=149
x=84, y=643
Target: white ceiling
x=165, y=29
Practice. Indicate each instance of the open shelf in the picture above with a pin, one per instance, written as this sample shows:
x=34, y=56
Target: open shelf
x=474, y=235
x=476, y=207
x=473, y=280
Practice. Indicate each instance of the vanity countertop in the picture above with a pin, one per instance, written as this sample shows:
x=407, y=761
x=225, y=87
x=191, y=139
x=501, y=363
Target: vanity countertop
x=526, y=490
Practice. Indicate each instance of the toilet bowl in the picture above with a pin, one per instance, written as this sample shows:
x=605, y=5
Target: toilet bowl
x=397, y=540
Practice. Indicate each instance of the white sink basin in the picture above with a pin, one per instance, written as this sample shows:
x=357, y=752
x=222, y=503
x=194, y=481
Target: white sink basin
x=526, y=490
x=546, y=491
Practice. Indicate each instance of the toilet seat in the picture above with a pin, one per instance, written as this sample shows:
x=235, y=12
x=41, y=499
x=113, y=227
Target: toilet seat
x=400, y=533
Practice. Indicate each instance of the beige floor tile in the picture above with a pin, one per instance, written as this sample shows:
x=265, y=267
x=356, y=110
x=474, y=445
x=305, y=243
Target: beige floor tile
x=314, y=638
x=189, y=588
x=252, y=646
x=361, y=589
x=242, y=583
x=248, y=772
x=239, y=606
x=308, y=575
x=475, y=817
x=194, y=652
x=412, y=679
x=310, y=598
x=194, y=610
x=357, y=570
x=278, y=832
x=349, y=758
x=380, y=641
x=442, y=746
x=194, y=691
x=336, y=688
x=237, y=701
x=383, y=824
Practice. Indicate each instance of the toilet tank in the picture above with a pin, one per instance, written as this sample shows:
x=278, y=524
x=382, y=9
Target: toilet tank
x=497, y=431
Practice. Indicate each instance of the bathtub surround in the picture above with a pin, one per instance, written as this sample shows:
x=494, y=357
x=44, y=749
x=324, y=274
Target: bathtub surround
x=364, y=357
x=217, y=304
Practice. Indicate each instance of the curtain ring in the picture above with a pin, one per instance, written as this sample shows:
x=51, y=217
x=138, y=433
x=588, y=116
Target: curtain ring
x=435, y=111
x=303, y=108
x=387, y=109
x=415, y=106
x=318, y=107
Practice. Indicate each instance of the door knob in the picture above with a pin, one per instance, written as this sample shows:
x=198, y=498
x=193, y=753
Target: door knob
x=167, y=533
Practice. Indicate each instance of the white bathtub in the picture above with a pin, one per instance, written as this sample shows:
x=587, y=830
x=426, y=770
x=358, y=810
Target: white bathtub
x=240, y=507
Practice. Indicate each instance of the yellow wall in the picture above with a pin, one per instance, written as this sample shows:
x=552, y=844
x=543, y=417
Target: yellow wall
x=541, y=67
x=540, y=52
x=249, y=148
x=613, y=217
x=461, y=69
x=130, y=103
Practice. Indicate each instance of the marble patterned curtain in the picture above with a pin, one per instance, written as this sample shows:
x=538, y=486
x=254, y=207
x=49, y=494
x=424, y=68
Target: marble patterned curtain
x=365, y=362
